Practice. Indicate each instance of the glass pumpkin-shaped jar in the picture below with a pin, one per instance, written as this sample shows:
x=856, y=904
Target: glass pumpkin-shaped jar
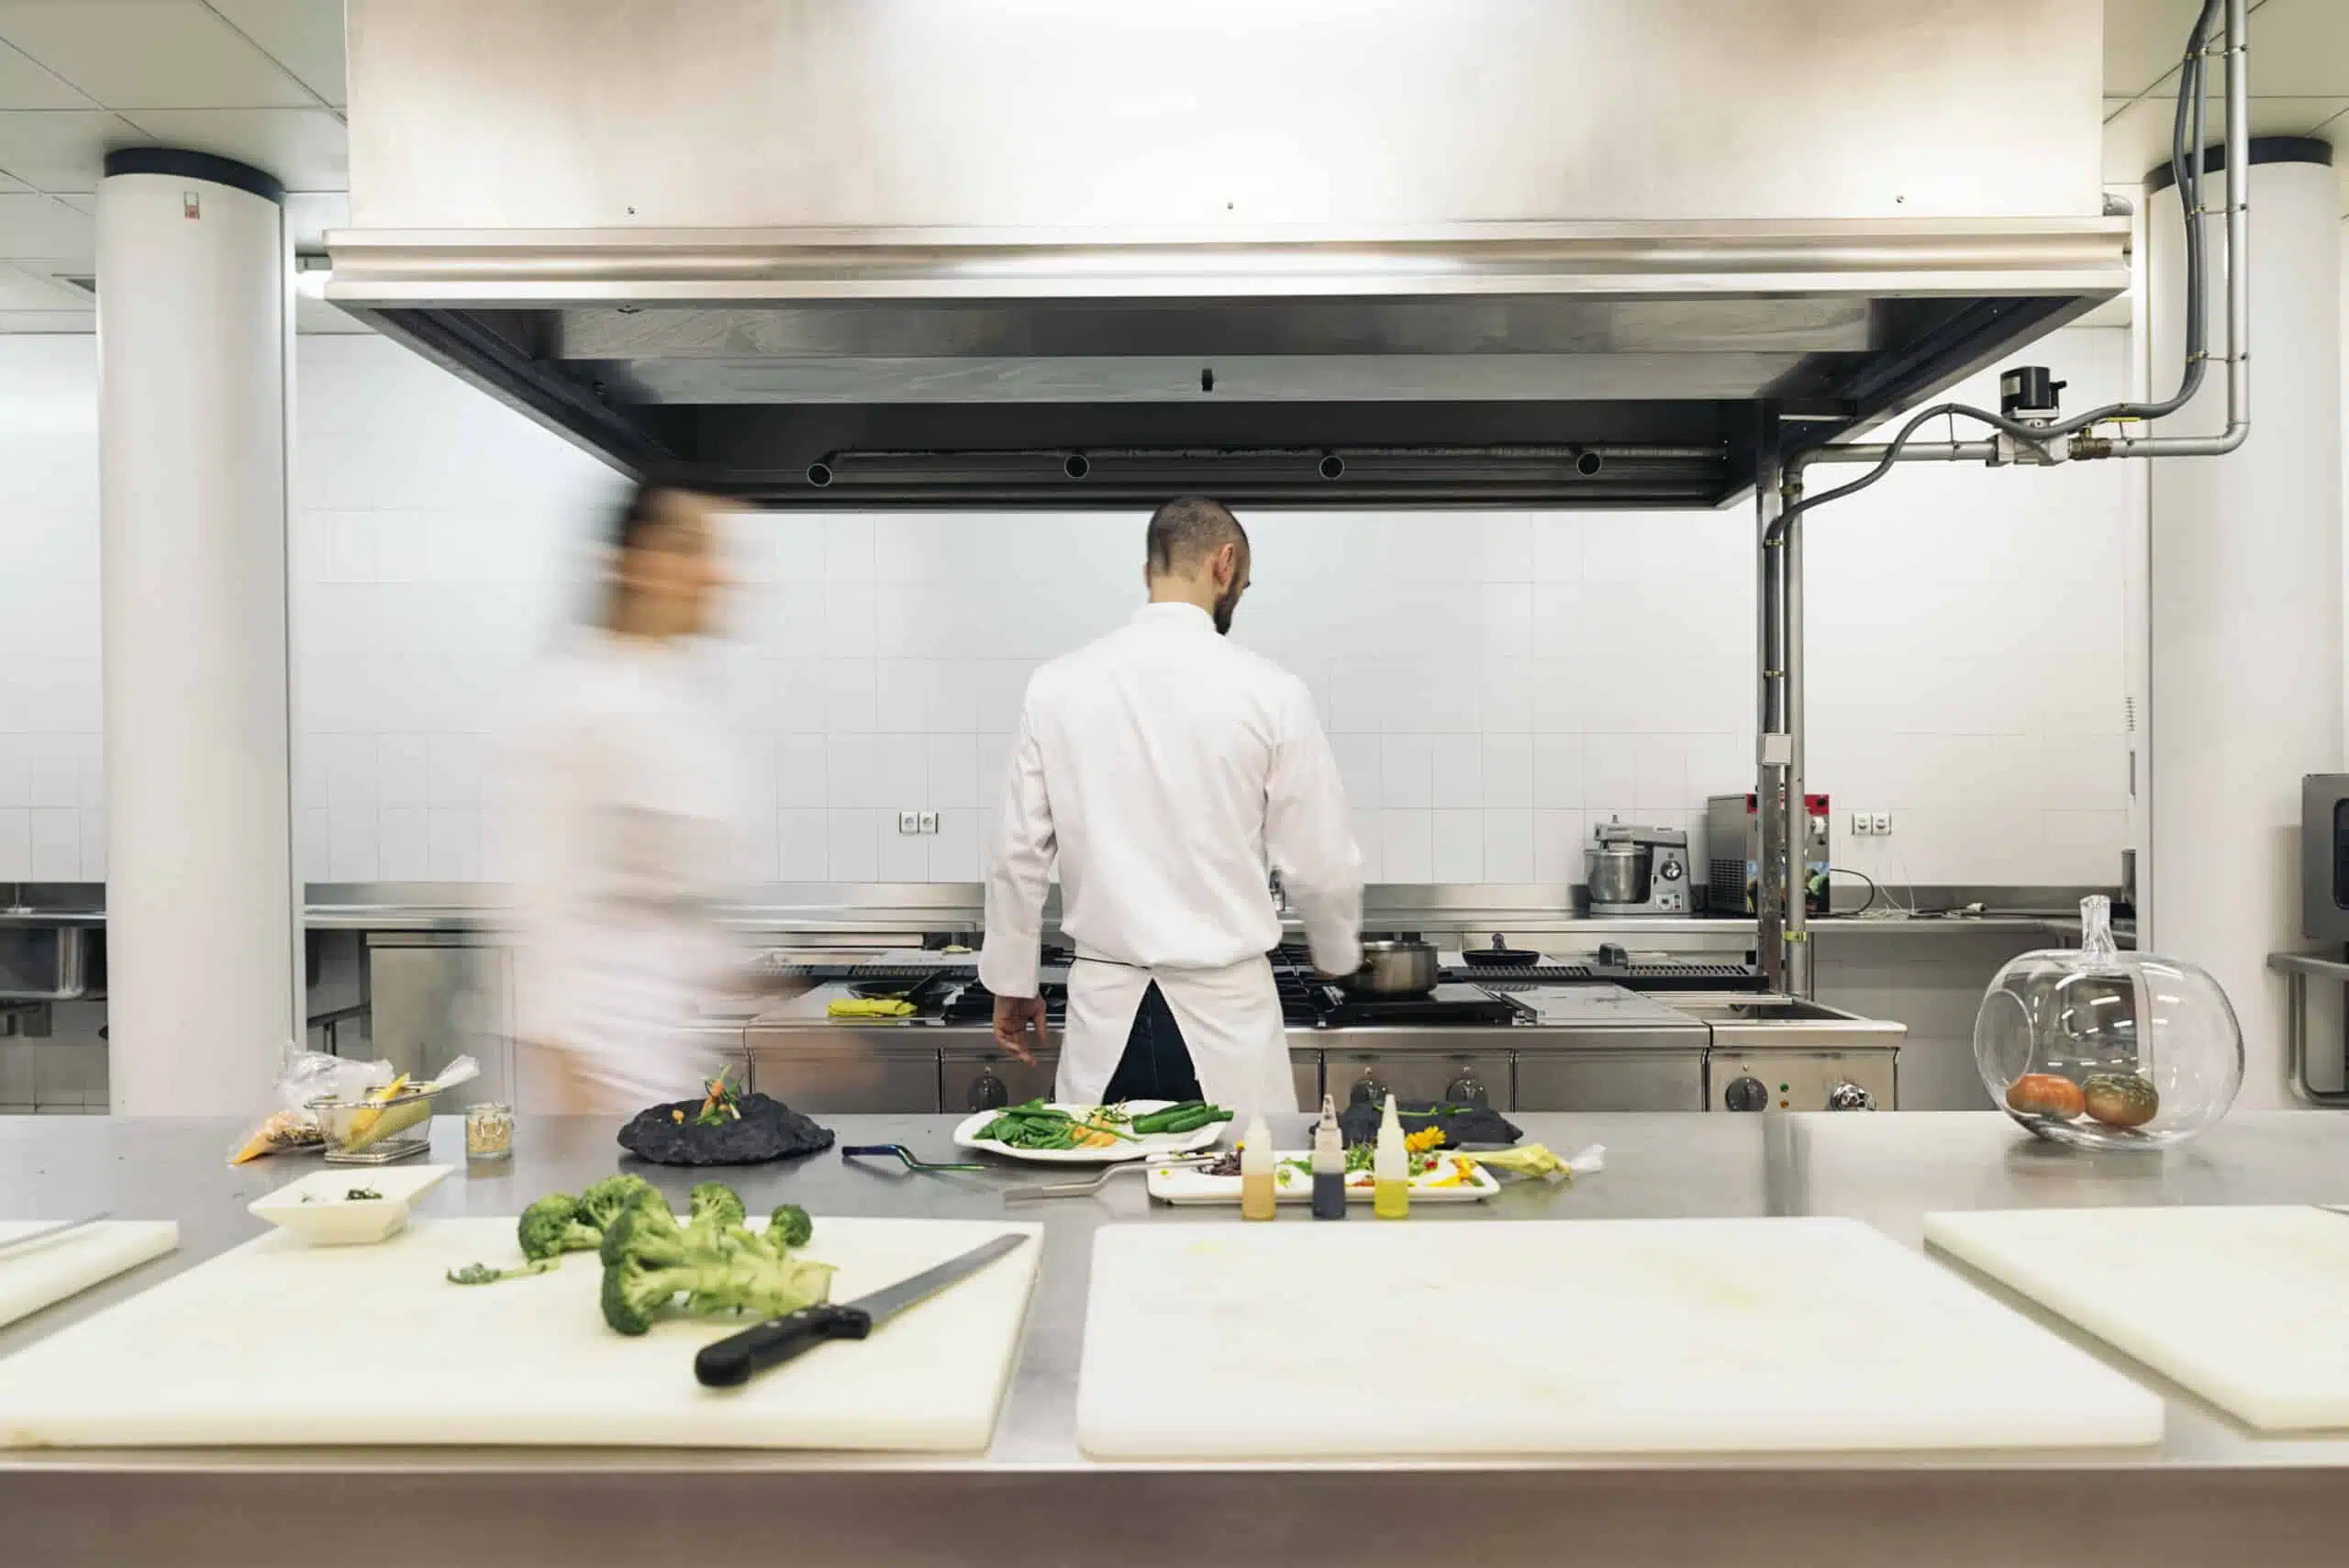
x=2106, y=1049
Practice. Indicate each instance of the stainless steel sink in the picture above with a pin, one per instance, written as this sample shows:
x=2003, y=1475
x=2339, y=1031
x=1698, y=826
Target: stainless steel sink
x=1779, y=1019
x=51, y=963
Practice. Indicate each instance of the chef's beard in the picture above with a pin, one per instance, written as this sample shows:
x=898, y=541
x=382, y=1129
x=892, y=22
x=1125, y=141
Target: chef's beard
x=1225, y=604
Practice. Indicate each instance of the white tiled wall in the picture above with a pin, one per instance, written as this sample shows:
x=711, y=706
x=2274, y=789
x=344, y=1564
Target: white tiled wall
x=1492, y=682
x=51, y=807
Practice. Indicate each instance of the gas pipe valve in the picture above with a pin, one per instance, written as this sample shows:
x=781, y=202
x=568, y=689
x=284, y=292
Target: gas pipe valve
x=2030, y=394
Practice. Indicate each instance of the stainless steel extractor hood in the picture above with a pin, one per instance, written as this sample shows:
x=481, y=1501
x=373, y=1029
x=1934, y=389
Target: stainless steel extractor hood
x=1052, y=251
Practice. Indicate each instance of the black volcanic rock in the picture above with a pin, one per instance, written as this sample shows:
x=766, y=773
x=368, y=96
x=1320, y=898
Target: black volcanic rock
x=767, y=1129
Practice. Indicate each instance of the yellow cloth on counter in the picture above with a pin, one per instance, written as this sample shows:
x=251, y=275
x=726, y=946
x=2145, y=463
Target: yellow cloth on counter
x=869, y=1007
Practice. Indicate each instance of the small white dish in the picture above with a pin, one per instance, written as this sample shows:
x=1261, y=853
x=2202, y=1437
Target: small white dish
x=319, y=1207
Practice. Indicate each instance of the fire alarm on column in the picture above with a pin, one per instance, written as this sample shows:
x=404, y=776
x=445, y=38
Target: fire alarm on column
x=190, y=204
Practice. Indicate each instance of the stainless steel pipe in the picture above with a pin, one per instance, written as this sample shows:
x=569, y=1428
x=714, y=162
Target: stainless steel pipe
x=1795, y=816
x=2238, y=355
x=1775, y=749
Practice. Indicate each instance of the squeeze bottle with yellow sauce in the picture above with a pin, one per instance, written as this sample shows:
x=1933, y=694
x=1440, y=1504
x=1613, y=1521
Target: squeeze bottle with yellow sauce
x=1257, y=1199
x=1390, y=1169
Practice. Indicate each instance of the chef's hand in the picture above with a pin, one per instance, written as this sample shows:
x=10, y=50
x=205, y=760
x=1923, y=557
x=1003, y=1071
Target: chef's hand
x=1013, y=1016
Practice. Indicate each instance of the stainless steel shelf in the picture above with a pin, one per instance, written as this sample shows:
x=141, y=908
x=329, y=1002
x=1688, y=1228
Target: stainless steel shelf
x=2298, y=969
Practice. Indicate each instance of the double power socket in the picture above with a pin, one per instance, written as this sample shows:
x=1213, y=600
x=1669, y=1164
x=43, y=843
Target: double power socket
x=917, y=821
x=1871, y=824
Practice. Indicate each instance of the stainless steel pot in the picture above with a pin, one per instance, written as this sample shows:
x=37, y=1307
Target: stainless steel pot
x=1619, y=872
x=1393, y=969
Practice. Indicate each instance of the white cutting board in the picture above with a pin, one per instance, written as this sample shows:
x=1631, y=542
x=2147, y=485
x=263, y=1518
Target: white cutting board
x=49, y=1272
x=1366, y=1339
x=280, y=1343
x=2243, y=1306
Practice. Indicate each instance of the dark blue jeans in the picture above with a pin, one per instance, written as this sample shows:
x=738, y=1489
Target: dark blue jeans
x=1157, y=1064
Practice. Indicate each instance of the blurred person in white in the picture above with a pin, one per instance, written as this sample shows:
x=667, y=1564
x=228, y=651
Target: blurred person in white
x=1164, y=767
x=630, y=797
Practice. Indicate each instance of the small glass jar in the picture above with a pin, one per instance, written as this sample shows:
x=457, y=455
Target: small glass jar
x=489, y=1131
x=2106, y=1049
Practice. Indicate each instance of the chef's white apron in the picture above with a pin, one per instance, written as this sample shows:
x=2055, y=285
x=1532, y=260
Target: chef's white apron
x=1231, y=1020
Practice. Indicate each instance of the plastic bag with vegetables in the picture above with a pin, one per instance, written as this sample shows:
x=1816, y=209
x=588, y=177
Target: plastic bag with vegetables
x=309, y=1075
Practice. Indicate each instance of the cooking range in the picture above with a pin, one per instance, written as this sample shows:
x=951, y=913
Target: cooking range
x=1599, y=1031
x=1307, y=1001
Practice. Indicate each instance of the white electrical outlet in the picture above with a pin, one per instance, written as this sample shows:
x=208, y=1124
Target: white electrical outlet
x=929, y=821
x=1862, y=825
x=1881, y=822
x=908, y=822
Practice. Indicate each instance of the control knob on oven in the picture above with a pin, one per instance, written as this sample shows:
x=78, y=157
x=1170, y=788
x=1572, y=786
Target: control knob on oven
x=988, y=1093
x=1748, y=1094
x=1367, y=1091
x=1847, y=1095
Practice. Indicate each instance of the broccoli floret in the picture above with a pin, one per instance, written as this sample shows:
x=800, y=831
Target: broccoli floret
x=649, y=1232
x=615, y=1195
x=554, y=1226
x=649, y=1260
x=481, y=1274
x=789, y=1227
x=717, y=1203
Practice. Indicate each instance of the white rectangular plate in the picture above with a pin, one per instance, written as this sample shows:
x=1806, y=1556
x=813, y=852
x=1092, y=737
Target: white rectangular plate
x=967, y=1136
x=1186, y=1186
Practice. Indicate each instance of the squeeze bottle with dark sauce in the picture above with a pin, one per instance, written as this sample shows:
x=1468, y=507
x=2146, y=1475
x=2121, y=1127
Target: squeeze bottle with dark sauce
x=1329, y=1166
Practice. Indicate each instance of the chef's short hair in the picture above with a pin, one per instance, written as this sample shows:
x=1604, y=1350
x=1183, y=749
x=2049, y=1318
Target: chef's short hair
x=1188, y=528
x=642, y=512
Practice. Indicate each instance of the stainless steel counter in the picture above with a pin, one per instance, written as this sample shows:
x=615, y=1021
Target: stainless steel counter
x=2209, y=1493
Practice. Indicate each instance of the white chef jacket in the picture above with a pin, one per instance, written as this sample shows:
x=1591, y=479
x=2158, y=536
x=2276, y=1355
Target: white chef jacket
x=1166, y=766
x=630, y=803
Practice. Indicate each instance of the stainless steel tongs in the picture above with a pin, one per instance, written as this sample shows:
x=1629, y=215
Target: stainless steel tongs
x=1094, y=1183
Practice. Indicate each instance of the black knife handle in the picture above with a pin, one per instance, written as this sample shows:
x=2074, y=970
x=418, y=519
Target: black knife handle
x=736, y=1359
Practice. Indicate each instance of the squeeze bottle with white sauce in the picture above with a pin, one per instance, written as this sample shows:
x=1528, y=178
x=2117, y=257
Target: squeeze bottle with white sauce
x=1329, y=1165
x=1257, y=1200
x=1390, y=1170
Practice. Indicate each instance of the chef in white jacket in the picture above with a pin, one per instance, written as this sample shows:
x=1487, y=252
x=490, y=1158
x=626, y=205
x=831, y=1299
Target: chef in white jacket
x=1165, y=768
x=629, y=800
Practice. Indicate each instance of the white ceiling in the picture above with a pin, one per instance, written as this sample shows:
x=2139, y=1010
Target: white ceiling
x=262, y=81
x=2299, y=76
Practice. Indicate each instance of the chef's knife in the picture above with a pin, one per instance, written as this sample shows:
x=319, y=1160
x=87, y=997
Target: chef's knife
x=738, y=1358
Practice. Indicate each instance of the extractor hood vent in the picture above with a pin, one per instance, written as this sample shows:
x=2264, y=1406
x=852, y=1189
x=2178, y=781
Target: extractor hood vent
x=915, y=251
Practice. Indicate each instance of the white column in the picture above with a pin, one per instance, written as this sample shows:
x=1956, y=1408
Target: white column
x=195, y=356
x=2246, y=597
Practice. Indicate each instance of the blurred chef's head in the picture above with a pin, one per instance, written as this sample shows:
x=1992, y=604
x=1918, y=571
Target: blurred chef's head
x=665, y=571
x=1198, y=553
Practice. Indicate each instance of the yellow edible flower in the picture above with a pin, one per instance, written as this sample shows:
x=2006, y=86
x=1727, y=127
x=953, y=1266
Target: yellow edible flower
x=1463, y=1173
x=1427, y=1137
